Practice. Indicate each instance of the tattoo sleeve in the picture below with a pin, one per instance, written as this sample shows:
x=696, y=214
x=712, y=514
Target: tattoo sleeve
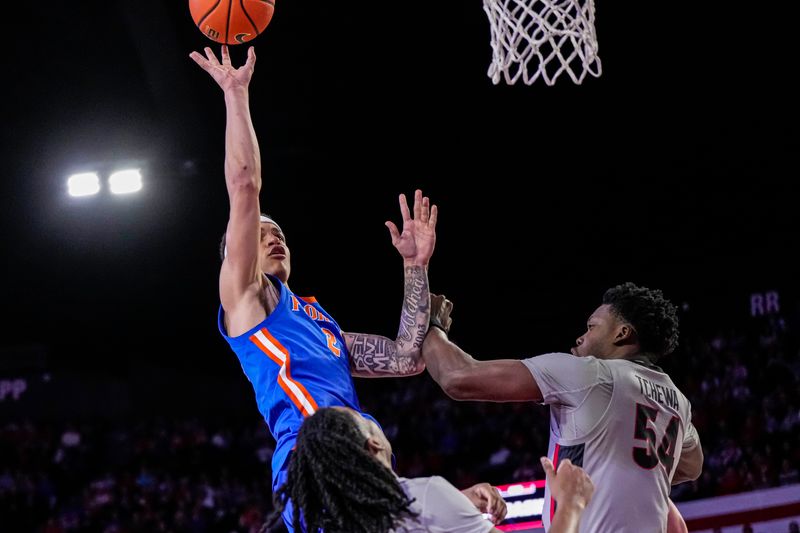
x=374, y=355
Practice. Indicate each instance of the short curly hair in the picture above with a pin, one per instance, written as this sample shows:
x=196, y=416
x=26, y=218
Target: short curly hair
x=654, y=318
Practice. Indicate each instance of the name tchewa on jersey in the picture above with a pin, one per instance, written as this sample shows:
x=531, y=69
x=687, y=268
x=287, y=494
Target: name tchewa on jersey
x=659, y=393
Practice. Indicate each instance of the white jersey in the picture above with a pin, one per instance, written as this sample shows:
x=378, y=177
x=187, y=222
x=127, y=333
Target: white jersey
x=625, y=423
x=440, y=508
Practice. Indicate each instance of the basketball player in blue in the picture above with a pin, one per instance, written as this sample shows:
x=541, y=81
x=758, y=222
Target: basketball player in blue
x=292, y=351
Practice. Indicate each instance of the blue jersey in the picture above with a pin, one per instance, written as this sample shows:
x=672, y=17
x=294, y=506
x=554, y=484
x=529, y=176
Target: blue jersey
x=297, y=361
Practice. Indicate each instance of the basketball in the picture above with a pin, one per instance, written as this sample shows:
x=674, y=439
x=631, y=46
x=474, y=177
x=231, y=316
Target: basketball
x=229, y=21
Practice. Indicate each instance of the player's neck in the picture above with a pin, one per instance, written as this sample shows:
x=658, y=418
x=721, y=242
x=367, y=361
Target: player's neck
x=643, y=357
x=626, y=352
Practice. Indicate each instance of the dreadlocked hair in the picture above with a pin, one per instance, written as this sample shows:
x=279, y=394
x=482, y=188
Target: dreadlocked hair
x=336, y=484
x=654, y=318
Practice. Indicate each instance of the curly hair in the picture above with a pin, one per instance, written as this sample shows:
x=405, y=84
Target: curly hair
x=654, y=318
x=337, y=485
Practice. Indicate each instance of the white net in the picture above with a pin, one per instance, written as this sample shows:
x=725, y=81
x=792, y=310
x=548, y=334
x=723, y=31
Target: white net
x=534, y=39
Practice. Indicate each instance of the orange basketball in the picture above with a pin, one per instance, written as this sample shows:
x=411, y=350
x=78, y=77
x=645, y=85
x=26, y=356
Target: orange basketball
x=231, y=21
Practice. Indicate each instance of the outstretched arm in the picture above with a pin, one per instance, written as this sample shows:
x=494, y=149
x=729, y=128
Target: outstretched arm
x=378, y=356
x=240, y=273
x=464, y=378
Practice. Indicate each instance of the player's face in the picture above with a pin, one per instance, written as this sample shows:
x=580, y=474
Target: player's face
x=601, y=330
x=275, y=257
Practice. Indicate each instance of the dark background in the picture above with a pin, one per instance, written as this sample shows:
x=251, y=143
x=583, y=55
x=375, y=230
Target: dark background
x=675, y=169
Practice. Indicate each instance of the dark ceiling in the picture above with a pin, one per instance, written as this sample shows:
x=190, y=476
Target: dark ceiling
x=677, y=168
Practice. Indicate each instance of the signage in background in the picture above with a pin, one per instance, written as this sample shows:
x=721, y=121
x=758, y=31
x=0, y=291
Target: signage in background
x=524, y=501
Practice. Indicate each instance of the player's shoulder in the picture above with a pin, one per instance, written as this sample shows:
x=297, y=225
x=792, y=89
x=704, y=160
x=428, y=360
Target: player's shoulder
x=422, y=485
x=423, y=481
x=562, y=358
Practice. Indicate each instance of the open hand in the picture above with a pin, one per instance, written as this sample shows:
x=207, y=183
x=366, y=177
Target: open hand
x=224, y=73
x=418, y=237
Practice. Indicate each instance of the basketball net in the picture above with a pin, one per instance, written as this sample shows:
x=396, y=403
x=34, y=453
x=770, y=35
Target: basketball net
x=542, y=38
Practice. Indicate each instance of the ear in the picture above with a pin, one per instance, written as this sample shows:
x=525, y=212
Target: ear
x=374, y=446
x=625, y=334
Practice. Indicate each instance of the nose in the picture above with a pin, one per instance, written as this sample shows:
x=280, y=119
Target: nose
x=579, y=341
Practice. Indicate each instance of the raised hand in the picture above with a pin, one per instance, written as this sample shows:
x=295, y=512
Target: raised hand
x=224, y=73
x=418, y=237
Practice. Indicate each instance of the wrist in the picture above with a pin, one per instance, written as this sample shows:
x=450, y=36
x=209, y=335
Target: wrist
x=570, y=505
x=434, y=322
x=413, y=263
x=236, y=92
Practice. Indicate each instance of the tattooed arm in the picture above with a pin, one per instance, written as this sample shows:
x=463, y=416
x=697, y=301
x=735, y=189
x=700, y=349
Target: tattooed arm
x=378, y=356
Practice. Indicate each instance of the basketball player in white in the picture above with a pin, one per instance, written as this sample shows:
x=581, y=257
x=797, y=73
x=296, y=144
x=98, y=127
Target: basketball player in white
x=612, y=410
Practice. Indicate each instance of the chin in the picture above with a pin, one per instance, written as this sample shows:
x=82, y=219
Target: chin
x=279, y=271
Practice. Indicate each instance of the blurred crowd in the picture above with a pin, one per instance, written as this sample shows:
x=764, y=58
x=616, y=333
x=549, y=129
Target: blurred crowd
x=158, y=473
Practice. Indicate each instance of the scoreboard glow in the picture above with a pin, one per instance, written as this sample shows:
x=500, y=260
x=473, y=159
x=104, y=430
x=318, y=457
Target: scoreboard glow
x=524, y=501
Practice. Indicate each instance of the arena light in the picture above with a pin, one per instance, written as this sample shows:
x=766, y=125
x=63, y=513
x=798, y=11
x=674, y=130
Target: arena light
x=83, y=184
x=125, y=181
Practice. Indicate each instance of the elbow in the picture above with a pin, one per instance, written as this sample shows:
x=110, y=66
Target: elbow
x=408, y=362
x=418, y=366
x=243, y=178
x=691, y=470
x=457, y=385
x=698, y=470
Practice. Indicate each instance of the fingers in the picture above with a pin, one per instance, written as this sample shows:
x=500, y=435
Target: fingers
x=418, y=200
x=395, y=233
x=422, y=209
x=425, y=212
x=226, y=56
x=212, y=59
x=498, y=506
x=490, y=501
x=198, y=58
x=439, y=301
x=549, y=470
x=251, y=58
x=404, y=208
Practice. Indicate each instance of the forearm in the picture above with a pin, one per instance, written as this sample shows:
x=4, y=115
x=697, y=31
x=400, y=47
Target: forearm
x=443, y=359
x=415, y=314
x=378, y=356
x=242, y=157
x=566, y=520
x=375, y=356
x=675, y=522
x=463, y=378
